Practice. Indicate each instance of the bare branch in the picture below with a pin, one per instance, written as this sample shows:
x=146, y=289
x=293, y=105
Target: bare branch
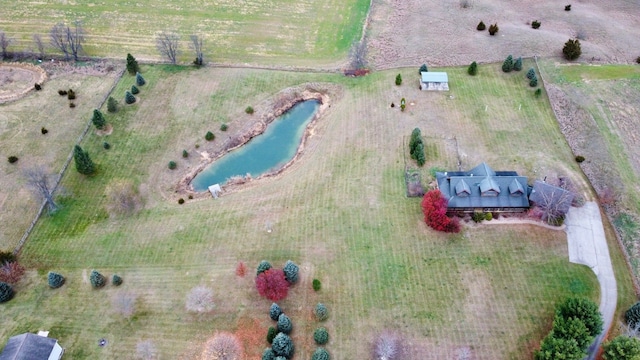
x=5, y=41
x=59, y=40
x=39, y=45
x=358, y=55
x=75, y=37
x=38, y=180
x=167, y=44
x=200, y=300
x=196, y=45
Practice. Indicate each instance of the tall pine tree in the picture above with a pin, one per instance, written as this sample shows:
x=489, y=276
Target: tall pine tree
x=98, y=119
x=132, y=65
x=84, y=165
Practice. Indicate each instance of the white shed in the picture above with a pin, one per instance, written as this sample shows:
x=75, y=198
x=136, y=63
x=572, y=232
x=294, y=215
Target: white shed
x=438, y=81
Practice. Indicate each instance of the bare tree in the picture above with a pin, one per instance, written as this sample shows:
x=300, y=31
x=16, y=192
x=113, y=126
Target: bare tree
x=553, y=201
x=223, y=346
x=200, y=300
x=75, y=37
x=68, y=40
x=388, y=346
x=168, y=45
x=39, y=45
x=58, y=38
x=196, y=45
x=146, y=350
x=5, y=41
x=122, y=197
x=38, y=180
x=358, y=55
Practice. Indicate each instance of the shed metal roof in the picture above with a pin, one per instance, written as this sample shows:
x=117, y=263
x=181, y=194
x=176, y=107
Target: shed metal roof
x=440, y=77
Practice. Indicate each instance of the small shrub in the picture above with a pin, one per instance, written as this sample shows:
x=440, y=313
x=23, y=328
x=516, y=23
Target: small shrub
x=423, y=68
x=403, y=104
x=533, y=82
x=321, y=312
x=477, y=216
x=116, y=280
x=241, y=268
x=320, y=354
x=72, y=105
x=37, y=86
x=249, y=110
x=531, y=73
x=106, y=145
x=488, y=216
x=181, y=201
x=284, y=324
x=200, y=300
x=493, y=29
x=129, y=98
x=185, y=154
x=572, y=49
x=97, y=280
x=517, y=65
x=262, y=267
x=135, y=90
x=393, y=105
x=140, y=80
x=283, y=346
x=112, y=105
x=274, y=312
x=11, y=272
x=44, y=130
x=55, y=280
x=473, y=69
x=535, y=24
x=6, y=292
x=638, y=60
x=622, y=347
x=190, y=197
x=291, y=272
x=507, y=65
x=172, y=165
x=271, y=333
x=538, y=92
x=481, y=26
x=71, y=95
x=209, y=136
x=12, y=159
x=224, y=127
x=321, y=336
x=268, y=354
x=62, y=92
x=316, y=284
x=567, y=8
x=580, y=158
x=399, y=80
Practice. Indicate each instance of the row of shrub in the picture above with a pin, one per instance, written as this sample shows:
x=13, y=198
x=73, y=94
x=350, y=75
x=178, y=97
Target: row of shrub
x=98, y=280
x=493, y=29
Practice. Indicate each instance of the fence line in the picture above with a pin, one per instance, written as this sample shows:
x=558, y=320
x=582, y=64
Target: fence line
x=26, y=234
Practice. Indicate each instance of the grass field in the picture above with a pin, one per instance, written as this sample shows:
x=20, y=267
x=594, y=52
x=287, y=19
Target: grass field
x=280, y=32
x=340, y=212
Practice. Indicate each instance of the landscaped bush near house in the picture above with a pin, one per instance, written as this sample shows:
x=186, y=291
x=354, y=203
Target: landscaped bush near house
x=320, y=354
x=423, y=68
x=55, y=280
x=321, y=312
x=290, y=272
x=481, y=26
x=434, y=208
x=268, y=354
x=632, y=316
x=135, y=90
x=12, y=159
x=477, y=216
x=172, y=165
x=129, y=98
x=284, y=324
x=209, y=136
x=271, y=333
x=398, y=79
x=262, y=267
x=11, y=272
x=249, y=110
x=488, y=216
x=321, y=336
x=272, y=285
x=97, y=280
x=6, y=292
x=116, y=280
x=316, y=284
x=493, y=29
x=622, y=347
x=585, y=310
x=283, y=346
x=535, y=24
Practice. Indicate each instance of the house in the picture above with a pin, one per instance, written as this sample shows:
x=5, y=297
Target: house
x=483, y=189
x=29, y=346
x=554, y=201
x=434, y=81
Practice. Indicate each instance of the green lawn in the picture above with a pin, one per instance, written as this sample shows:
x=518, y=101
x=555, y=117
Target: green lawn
x=267, y=32
x=340, y=212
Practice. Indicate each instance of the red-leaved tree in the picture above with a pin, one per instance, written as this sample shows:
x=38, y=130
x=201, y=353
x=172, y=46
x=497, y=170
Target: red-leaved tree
x=434, y=207
x=272, y=284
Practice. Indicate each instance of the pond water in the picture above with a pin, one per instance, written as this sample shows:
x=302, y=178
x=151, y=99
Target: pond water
x=264, y=153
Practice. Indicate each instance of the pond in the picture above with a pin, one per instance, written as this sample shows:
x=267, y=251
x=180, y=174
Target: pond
x=265, y=153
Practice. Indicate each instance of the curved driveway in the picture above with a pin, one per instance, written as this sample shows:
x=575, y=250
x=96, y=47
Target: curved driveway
x=588, y=246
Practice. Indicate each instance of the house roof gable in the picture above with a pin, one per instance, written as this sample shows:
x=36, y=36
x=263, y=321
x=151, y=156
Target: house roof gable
x=28, y=346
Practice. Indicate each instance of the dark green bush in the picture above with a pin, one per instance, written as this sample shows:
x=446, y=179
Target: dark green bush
x=185, y=154
x=316, y=284
x=271, y=333
x=224, y=127
x=62, y=92
x=533, y=82
x=580, y=158
x=423, y=68
x=274, y=310
x=44, y=130
x=320, y=354
x=567, y=8
x=481, y=26
x=190, y=197
x=290, y=272
x=172, y=165
x=12, y=159
x=553, y=348
x=71, y=95
x=209, y=136
x=249, y=110
x=72, y=105
x=37, y=86
x=632, y=315
x=477, y=216
x=622, y=347
x=321, y=312
x=129, y=98
x=535, y=24
x=6, y=292
x=116, y=280
x=140, y=80
x=283, y=346
x=572, y=328
x=638, y=60
x=321, y=336
x=473, y=69
x=284, y=324
x=517, y=65
x=132, y=64
x=538, y=92
x=531, y=73
x=507, y=65
x=106, y=145
x=112, y=105
x=262, y=267
x=572, y=49
x=399, y=80
x=6, y=257
x=268, y=354
x=97, y=280
x=135, y=90
x=98, y=119
x=181, y=201
x=585, y=310
x=493, y=29
x=55, y=280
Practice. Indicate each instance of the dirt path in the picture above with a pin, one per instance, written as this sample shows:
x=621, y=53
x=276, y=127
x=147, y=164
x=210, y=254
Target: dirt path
x=588, y=246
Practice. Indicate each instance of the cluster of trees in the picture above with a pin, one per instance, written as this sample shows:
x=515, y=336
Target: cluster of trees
x=416, y=147
x=168, y=45
x=98, y=280
x=577, y=322
x=274, y=283
x=10, y=273
x=278, y=337
x=509, y=65
x=533, y=78
x=434, y=208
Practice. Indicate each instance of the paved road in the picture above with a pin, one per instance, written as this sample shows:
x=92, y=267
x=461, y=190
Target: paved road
x=588, y=246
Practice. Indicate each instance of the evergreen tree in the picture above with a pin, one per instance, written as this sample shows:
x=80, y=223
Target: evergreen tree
x=284, y=324
x=283, y=346
x=6, y=292
x=132, y=65
x=140, y=80
x=98, y=119
x=320, y=354
x=481, y=26
x=473, y=69
x=129, y=98
x=399, y=80
x=97, y=280
x=55, y=280
x=290, y=271
x=112, y=105
x=274, y=312
x=116, y=280
x=622, y=348
x=517, y=66
x=533, y=82
x=423, y=68
x=572, y=49
x=84, y=165
x=134, y=90
x=507, y=65
x=531, y=73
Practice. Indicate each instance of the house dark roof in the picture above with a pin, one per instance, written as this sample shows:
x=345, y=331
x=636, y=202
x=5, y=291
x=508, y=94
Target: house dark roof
x=439, y=77
x=482, y=187
x=28, y=346
x=544, y=193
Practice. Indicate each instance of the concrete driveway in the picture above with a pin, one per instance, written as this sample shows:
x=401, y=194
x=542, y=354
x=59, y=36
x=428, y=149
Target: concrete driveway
x=588, y=246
